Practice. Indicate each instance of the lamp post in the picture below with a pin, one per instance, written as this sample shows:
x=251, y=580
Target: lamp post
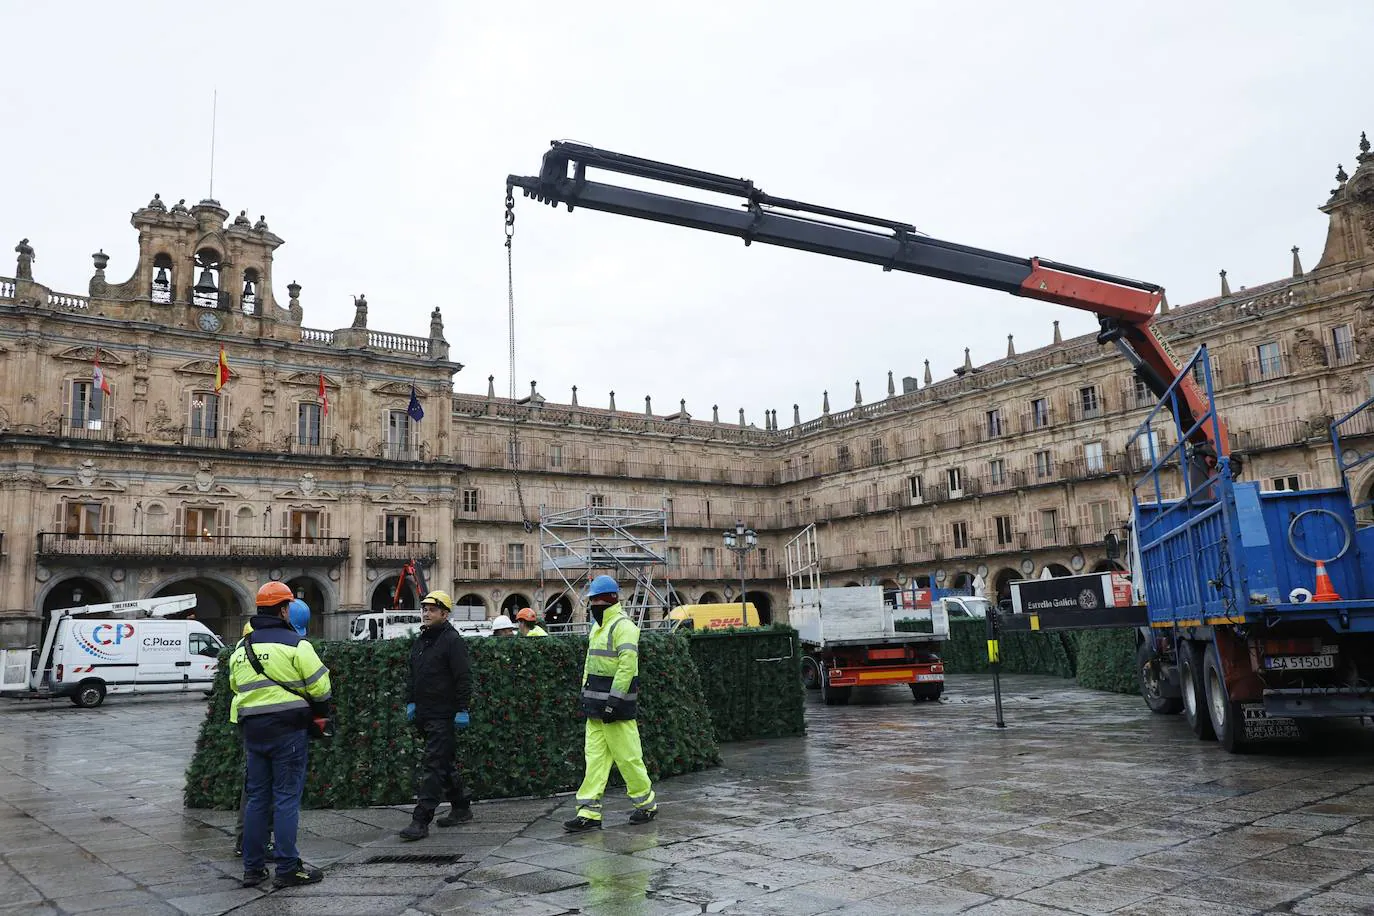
x=740, y=541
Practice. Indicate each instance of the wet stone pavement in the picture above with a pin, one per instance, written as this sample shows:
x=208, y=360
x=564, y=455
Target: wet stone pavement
x=1084, y=804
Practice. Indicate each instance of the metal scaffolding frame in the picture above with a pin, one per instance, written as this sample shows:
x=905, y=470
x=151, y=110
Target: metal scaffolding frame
x=575, y=545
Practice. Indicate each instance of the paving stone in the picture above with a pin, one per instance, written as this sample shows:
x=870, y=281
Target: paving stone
x=1236, y=891
x=1082, y=896
x=1334, y=903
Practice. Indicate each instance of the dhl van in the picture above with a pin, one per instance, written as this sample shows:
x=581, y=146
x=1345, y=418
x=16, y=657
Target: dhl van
x=712, y=616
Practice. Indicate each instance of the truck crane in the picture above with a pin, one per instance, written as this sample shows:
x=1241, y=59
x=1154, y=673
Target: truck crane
x=1228, y=631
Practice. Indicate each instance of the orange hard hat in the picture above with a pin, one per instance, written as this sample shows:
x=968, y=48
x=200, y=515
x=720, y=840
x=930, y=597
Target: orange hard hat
x=526, y=614
x=273, y=594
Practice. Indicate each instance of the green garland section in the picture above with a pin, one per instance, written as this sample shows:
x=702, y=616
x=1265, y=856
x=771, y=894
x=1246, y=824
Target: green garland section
x=525, y=737
x=1100, y=659
x=752, y=681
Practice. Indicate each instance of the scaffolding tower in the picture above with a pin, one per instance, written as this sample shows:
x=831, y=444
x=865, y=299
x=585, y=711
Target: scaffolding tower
x=576, y=545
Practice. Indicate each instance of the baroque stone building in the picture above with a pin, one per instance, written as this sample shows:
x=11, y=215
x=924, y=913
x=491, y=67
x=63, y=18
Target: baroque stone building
x=1001, y=471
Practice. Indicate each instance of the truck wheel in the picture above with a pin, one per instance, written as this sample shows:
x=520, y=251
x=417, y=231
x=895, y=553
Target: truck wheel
x=1194, y=693
x=931, y=692
x=834, y=696
x=811, y=674
x=89, y=694
x=1147, y=663
x=1226, y=717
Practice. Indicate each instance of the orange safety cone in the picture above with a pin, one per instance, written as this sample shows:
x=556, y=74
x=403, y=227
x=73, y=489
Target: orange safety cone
x=1325, y=590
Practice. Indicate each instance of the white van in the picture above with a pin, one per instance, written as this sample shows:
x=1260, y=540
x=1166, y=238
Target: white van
x=124, y=647
x=399, y=624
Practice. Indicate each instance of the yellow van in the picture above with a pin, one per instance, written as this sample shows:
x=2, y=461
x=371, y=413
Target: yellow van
x=712, y=616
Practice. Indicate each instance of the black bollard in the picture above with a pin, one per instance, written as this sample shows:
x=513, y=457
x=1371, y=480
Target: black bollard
x=995, y=663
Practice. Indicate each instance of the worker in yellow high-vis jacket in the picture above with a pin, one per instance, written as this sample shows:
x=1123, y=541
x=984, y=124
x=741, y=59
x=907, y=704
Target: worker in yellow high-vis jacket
x=610, y=691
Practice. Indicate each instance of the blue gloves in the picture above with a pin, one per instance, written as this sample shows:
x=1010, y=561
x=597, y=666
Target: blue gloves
x=461, y=720
x=410, y=712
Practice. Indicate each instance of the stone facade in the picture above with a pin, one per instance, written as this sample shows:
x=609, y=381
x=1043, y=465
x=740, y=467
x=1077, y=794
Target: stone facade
x=1001, y=471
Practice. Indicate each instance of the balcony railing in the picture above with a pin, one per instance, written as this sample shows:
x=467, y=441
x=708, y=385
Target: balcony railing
x=1341, y=353
x=488, y=571
x=1265, y=369
x=87, y=428
x=380, y=553
x=177, y=549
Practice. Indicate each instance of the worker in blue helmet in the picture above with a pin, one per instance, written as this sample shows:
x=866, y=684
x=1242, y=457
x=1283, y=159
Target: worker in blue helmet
x=610, y=691
x=298, y=615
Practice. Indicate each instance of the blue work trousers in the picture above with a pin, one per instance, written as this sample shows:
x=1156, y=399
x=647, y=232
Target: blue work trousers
x=276, y=780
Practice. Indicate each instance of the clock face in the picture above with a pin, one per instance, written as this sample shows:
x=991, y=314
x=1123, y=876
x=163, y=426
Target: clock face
x=209, y=321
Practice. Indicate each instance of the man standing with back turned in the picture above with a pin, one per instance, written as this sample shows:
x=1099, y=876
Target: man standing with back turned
x=279, y=684
x=437, y=702
x=610, y=691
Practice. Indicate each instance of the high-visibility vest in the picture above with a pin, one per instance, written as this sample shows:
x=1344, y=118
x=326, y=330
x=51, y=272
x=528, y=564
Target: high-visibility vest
x=537, y=631
x=285, y=657
x=610, y=676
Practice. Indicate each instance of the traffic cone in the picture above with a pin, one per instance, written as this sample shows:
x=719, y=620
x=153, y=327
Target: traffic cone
x=1325, y=590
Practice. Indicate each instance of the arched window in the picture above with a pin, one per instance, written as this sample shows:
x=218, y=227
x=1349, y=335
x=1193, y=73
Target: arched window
x=206, y=291
x=251, y=283
x=162, y=278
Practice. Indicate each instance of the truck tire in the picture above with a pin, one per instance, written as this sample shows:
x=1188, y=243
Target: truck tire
x=1194, y=693
x=810, y=673
x=1225, y=714
x=834, y=696
x=89, y=694
x=1147, y=662
x=930, y=692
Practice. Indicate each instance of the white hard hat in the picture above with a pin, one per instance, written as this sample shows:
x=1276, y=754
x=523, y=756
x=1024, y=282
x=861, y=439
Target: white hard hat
x=502, y=623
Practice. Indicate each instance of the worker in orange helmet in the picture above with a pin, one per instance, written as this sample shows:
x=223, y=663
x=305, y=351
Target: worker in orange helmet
x=529, y=623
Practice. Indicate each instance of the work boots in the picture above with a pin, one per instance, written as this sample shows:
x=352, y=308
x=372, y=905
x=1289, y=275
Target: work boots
x=417, y=830
x=455, y=816
x=643, y=815
x=580, y=823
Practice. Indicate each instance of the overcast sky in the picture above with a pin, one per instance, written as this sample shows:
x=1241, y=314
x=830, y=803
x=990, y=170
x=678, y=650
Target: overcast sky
x=1164, y=142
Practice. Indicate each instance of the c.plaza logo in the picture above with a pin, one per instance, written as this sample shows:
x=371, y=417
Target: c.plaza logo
x=107, y=634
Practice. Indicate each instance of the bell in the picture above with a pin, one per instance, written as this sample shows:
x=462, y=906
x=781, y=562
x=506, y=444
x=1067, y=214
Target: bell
x=161, y=279
x=248, y=289
x=206, y=284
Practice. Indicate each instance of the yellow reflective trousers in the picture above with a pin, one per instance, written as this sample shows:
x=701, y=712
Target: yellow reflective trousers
x=613, y=743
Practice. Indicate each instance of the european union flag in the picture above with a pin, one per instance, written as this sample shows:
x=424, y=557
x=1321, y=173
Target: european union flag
x=417, y=413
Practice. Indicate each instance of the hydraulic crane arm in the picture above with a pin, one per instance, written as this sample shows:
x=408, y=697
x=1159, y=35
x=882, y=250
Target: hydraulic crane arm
x=1124, y=308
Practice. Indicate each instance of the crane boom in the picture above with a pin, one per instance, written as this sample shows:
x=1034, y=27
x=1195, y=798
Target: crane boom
x=1124, y=308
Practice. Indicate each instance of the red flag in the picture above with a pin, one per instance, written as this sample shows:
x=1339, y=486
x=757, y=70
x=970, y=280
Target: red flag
x=222, y=373
x=324, y=397
x=98, y=376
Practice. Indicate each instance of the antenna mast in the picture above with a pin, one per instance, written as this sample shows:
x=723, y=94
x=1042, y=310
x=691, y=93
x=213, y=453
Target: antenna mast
x=214, y=116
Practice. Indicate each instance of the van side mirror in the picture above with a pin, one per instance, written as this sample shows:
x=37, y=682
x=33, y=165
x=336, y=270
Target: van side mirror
x=1112, y=544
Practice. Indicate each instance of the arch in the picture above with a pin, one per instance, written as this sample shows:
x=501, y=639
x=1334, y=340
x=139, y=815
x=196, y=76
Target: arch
x=963, y=579
x=921, y=581
x=852, y=584
x=891, y=591
x=513, y=603
x=312, y=592
x=73, y=591
x=164, y=278
x=672, y=598
x=252, y=291
x=384, y=595
x=208, y=263
x=1058, y=569
x=558, y=609
x=709, y=598
x=221, y=604
x=471, y=606
x=763, y=603
x=1108, y=566
x=1001, y=582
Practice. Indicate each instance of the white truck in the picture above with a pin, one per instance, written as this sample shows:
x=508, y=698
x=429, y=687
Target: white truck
x=849, y=636
x=399, y=624
x=122, y=647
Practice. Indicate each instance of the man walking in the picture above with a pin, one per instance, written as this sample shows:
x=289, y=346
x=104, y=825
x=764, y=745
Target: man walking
x=610, y=690
x=528, y=623
x=437, y=699
x=279, y=684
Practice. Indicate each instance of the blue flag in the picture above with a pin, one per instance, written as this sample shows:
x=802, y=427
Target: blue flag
x=416, y=412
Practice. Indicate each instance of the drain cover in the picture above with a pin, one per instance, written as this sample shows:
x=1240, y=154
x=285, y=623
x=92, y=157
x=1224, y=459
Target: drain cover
x=412, y=859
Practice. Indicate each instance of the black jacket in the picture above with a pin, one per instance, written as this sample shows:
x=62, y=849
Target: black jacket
x=440, y=680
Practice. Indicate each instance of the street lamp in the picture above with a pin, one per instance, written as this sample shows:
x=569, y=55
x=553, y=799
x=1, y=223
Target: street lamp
x=740, y=541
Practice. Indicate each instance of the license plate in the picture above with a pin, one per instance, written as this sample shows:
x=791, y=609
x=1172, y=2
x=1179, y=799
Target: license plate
x=930, y=677
x=1299, y=662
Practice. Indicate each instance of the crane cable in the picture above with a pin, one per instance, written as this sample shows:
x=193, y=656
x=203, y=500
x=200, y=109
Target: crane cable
x=513, y=451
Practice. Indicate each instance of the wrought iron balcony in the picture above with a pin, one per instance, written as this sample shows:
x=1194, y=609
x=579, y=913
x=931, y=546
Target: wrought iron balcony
x=188, y=550
x=382, y=553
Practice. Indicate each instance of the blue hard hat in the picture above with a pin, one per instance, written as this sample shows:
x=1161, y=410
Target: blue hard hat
x=602, y=585
x=298, y=615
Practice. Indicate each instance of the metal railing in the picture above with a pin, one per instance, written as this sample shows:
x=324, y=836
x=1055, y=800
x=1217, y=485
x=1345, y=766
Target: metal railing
x=375, y=552
x=179, y=548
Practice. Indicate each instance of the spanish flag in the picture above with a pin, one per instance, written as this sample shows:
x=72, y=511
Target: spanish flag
x=324, y=397
x=222, y=373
